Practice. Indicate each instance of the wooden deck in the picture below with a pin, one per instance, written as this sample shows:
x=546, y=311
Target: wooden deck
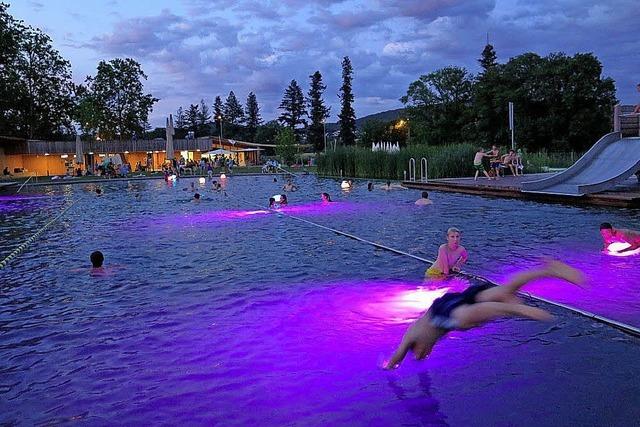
x=626, y=195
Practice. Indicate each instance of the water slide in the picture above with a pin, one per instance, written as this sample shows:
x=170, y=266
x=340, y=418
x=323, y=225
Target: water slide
x=610, y=161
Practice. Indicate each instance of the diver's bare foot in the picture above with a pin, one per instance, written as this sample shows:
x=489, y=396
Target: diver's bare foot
x=563, y=271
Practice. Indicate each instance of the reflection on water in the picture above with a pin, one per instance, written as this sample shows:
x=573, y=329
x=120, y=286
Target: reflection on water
x=224, y=313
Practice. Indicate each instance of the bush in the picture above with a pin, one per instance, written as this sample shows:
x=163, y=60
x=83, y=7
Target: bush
x=442, y=161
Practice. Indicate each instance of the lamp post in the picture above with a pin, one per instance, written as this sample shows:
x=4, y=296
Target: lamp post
x=220, y=120
x=324, y=133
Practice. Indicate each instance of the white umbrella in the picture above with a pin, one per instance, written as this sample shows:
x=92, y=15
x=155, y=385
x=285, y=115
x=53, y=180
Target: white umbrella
x=170, y=133
x=79, y=154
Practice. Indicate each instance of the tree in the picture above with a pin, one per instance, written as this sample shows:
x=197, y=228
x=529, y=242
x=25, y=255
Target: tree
x=253, y=117
x=489, y=115
x=347, y=116
x=285, y=145
x=233, y=112
x=36, y=92
x=191, y=118
x=489, y=59
x=318, y=112
x=203, y=117
x=439, y=105
x=268, y=132
x=218, y=113
x=293, y=107
x=180, y=121
x=117, y=93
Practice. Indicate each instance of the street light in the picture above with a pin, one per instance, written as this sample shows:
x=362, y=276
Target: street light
x=220, y=120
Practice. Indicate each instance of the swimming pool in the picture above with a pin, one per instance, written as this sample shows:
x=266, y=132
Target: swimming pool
x=217, y=313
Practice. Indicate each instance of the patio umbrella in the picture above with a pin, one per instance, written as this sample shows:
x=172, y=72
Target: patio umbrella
x=170, y=133
x=79, y=154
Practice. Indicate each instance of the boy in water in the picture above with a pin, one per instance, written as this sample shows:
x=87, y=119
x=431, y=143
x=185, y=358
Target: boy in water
x=424, y=200
x=611, y=235
x=451, y=256
x=477, y=305
x=97, y=259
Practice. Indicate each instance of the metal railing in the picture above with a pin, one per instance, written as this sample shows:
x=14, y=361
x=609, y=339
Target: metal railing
x=412, y=169
x=423, y=170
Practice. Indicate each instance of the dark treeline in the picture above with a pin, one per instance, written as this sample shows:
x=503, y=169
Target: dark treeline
x=562, y=103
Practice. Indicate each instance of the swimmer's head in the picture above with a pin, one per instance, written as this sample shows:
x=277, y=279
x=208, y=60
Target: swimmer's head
x=453, y=237
x=325, y=197
x=425, y=195
x=275, y=179
x=99, y=191
x=283, y=199
x=272, y=202
x=370, y=186
x=196, y=196
x=96, y=259
x=388, y=183
x=606, y=231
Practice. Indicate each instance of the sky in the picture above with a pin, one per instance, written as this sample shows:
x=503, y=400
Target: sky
x=198, y=49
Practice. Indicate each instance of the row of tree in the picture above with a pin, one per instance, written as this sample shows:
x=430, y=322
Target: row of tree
x=39, y=100
x=305, y=116
x=562, y=103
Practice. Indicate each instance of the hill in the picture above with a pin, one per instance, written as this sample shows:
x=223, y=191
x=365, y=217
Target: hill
x=384, y=116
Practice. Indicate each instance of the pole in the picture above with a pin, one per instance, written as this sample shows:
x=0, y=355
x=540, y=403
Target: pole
x=511, y=125
x=324, y=134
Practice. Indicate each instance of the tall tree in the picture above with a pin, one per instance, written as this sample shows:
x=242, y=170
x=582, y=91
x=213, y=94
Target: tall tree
x=203, y=117
x=180, y=121
x=293, y=107
x=253, y=116
x=192, y=118
x=218, y=113
x=347, y=116
x=233, y=111
x=318, y=112
x=489, y=59
x=36, y=92
x=489, y=115
x=117, y=93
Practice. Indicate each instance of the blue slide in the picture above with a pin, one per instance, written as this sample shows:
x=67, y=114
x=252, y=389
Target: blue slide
x=610, y=161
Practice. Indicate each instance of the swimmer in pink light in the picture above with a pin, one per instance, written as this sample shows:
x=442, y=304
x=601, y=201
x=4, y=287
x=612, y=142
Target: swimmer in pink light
x=326, y=198
x=475, y=306
x=451, y=256
x=619, y=235
x=278, y=201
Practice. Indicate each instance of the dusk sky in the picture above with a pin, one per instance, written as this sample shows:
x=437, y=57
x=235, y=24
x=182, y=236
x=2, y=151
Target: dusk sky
x=193, y=49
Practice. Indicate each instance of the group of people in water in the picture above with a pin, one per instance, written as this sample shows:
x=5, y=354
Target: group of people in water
x=473, y=307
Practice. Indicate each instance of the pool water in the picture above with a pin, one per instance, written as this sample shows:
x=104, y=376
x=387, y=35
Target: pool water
x=221, y=313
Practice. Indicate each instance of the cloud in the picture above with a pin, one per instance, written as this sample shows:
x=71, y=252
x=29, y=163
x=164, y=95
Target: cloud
x=248, y=45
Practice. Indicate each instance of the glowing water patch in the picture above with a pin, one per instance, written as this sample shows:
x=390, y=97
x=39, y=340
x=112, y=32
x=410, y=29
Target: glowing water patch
x=614, y=247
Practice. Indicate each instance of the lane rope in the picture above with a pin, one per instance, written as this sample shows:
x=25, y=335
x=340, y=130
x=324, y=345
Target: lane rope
x=17, y=251
x=631, y=330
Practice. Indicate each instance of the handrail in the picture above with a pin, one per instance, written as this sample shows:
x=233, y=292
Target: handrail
x=412, y=169
x=424, y=172
x=286, y=171
x=24, y=183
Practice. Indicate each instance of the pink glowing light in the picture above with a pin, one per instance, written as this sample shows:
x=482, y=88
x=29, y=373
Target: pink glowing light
x=419, y=299
x=614, y=248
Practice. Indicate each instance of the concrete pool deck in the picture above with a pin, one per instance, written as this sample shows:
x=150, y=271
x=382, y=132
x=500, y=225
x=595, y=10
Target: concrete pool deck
x=626, y=195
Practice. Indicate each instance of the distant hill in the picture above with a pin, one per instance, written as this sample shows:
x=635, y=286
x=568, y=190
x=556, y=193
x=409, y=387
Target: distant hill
x=385, y=116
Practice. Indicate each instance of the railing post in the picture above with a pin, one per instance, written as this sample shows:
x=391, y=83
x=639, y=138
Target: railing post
x=423, y=170
x=412, y=169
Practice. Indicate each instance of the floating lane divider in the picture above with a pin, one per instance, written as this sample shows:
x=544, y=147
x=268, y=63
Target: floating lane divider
x=631, y=330
x=17, y=251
